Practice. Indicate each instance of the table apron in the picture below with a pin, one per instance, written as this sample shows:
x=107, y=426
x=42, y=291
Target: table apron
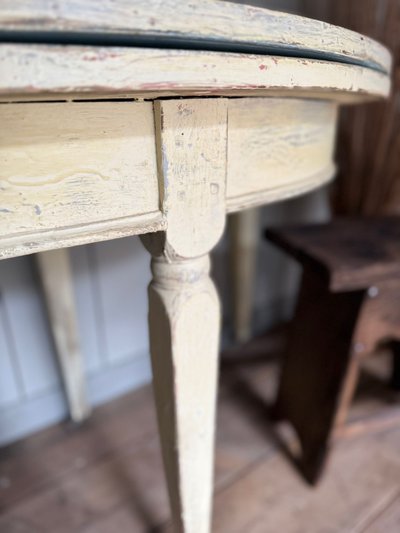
x=79, y=172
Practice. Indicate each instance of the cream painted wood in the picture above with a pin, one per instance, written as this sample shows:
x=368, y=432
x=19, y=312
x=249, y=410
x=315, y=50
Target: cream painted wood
x=184, y=311
x=68, y=171
x=184, y=319
x=180, y=23
x=68, y=72
x=278, y=147
x=81, y=162
x=56, y=277
x=23, y=244
x=63, y=184
x=212, y=156
x=191, y=153
x=244, y=228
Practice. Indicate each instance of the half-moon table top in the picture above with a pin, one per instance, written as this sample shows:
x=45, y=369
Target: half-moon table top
x=163, y=48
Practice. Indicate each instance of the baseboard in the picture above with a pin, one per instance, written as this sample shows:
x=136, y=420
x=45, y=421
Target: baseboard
x=38, y=412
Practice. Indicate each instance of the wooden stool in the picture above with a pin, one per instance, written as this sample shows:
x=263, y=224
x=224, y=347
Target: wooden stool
x=349, y=303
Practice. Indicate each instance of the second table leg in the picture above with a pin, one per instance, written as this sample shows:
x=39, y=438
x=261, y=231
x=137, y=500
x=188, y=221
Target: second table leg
x=56, y=279
x=243, y=241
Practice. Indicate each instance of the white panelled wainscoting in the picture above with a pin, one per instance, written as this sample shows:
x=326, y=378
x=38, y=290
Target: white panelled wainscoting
x=111, y=302
x=112, y=315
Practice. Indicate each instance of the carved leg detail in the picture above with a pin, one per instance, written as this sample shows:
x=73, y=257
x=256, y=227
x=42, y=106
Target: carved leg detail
x=56, y=279
x=184, y=315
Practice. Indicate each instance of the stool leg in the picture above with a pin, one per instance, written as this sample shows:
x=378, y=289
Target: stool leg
x=395, y=380
x=315, y=371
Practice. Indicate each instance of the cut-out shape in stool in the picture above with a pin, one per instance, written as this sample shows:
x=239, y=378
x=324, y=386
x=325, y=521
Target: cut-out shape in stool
x=349, y=304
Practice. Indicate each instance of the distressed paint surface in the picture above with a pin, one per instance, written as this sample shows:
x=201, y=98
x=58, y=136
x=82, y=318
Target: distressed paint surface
x=72, y=171
x=208, y=23
x=87, y=71
x=184, y=310
x=276, y=144
x=24, y=244
x=197, y=153
x=192, y=140
x=184, y=319
x=65, y=164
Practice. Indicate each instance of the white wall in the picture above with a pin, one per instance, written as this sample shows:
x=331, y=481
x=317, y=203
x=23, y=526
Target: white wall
x=277, y=277
x=110, y=288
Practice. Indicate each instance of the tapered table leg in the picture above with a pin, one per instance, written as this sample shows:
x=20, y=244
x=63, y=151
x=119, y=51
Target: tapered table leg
x=56, y=280
x=184, y=312
x=184, y=334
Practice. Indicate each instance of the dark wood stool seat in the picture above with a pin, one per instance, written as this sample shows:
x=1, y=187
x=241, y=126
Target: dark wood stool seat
x=348, y=305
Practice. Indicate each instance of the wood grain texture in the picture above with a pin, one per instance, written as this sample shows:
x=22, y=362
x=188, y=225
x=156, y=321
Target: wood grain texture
x=25, y=244
x=184, y=317
x=96, y=182
x=191, y=147
x=276, y=144
x=388, y=520
x=363, y=481
x=269, y=196
x=362, y=251
x=106, y=476
x=184, y=310
x=70, y=170
x=86, y=72
x=56, y=279
x=368, y=138
x=208, y=23
x=316, y=368
x=347, y=309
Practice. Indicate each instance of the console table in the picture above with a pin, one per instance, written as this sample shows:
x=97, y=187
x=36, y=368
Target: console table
x=126, y=117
